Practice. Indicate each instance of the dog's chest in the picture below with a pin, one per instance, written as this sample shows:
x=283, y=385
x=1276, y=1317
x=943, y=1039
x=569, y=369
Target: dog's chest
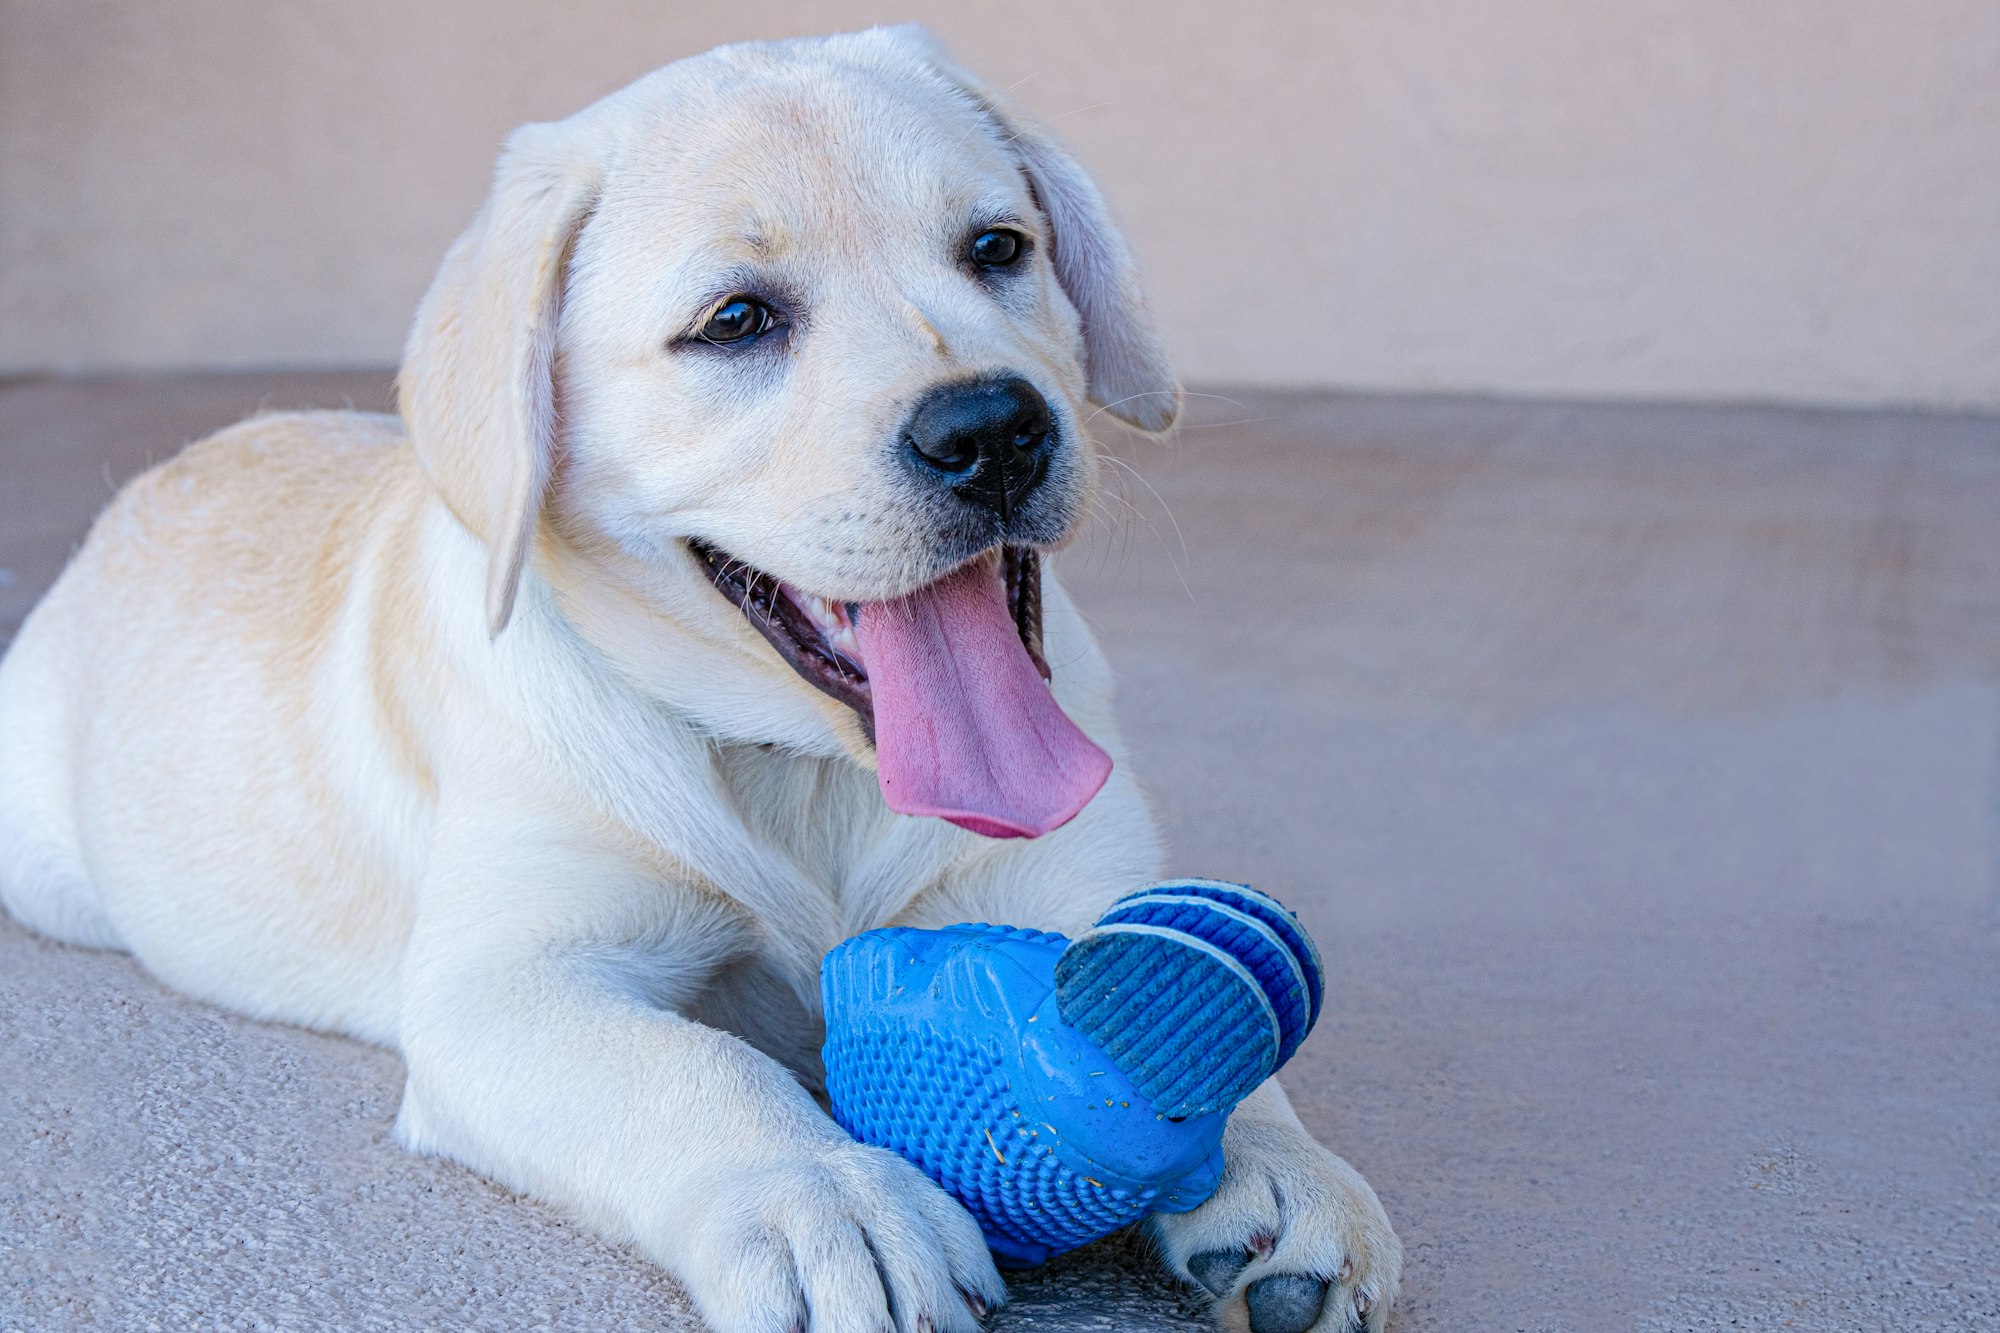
x=826, y=817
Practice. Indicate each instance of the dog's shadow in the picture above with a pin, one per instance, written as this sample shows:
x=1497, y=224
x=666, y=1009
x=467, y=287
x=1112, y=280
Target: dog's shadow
x=1114, y=1284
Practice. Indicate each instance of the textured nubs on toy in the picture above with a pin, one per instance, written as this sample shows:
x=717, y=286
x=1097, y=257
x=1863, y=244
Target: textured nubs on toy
x=1064, y=1089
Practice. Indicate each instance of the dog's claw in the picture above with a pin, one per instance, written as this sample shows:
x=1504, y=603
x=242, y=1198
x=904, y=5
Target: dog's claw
x=1288, y=1303
x=1217, y=1269
x=975, y=1303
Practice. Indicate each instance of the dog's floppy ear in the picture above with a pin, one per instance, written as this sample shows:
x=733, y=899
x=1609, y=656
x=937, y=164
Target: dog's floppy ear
x=1130, y=376
x=477, y=388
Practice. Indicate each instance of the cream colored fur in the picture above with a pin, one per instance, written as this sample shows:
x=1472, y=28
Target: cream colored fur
x=430, y=732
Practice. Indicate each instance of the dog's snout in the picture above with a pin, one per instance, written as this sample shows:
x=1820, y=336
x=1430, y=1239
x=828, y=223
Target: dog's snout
x=987, y=440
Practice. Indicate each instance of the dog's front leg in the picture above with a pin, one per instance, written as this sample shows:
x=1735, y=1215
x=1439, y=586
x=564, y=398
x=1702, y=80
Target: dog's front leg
x=1294, y=1239
x=546, y=1048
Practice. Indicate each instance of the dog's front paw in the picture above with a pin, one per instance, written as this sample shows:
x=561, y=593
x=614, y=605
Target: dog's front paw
x=1293, y=1240
x=840, y=1239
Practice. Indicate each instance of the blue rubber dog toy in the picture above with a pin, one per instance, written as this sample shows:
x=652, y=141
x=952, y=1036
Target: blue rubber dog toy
x=1064, y=1089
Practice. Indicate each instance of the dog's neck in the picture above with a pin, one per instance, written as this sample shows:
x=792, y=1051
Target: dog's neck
x=666, y=633
x=799, y=786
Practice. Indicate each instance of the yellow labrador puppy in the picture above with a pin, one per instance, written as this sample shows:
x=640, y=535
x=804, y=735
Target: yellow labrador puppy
x=689, y=620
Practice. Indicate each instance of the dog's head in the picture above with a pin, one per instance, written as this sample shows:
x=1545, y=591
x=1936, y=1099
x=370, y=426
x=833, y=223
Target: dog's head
x=816, y=325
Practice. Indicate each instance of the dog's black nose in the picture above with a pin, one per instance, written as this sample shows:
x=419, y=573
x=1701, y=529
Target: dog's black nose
x=988, y=440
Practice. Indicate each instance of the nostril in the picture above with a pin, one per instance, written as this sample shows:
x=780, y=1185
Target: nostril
x=948, y=453
x=1030, y=427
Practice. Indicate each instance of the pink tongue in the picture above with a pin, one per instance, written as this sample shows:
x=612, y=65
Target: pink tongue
x=965, y=727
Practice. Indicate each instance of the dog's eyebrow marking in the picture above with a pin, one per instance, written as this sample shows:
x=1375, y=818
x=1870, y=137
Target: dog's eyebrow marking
x=756, y=242
x=924, y=322
x=1003, y=215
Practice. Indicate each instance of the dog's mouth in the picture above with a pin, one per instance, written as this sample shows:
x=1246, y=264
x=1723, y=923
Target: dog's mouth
x=818, y=639
x=949, y=682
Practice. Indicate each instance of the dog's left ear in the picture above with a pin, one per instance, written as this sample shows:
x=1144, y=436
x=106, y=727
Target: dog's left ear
x=1130, y=375
x=477, y=388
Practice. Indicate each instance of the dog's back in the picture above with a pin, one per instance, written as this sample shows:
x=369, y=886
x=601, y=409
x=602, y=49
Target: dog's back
x=137, y=719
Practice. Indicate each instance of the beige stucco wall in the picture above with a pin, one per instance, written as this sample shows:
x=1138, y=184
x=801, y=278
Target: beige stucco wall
x=1790, y=199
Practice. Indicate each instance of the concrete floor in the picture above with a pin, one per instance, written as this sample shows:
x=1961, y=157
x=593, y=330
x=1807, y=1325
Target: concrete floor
x=1637, y=769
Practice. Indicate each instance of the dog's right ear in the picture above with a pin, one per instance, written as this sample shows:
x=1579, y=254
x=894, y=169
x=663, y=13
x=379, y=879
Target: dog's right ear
x=477, y=388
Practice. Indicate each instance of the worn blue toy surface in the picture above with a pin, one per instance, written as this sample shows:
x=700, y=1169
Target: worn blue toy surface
x=1064, y=1089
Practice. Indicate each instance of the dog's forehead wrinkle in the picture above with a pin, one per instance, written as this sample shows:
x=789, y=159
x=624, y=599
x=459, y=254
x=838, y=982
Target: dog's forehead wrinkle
x=860, y=204
x=808, y=121
x=854, y=175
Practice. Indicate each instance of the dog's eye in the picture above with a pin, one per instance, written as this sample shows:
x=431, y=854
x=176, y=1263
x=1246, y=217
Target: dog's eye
x=737, y=319
x=997, y=248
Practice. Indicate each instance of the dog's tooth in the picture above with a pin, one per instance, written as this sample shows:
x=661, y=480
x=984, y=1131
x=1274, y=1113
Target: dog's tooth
x=827, y=615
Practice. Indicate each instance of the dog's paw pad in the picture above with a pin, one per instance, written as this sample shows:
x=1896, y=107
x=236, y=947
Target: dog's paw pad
x=1288, y=1303
x=1217, y=1270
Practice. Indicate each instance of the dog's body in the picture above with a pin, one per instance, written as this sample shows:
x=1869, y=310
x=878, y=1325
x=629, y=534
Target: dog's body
x=266, y=732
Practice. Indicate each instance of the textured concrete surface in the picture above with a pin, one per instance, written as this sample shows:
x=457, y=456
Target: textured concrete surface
x=1637, y=769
